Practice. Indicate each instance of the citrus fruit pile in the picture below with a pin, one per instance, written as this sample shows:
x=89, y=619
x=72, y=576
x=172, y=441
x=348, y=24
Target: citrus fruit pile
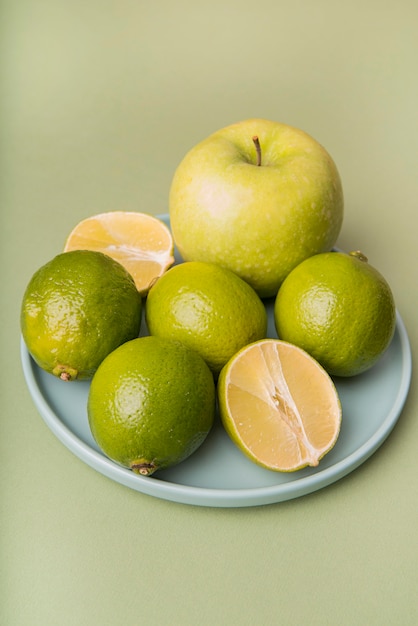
x=167, y=344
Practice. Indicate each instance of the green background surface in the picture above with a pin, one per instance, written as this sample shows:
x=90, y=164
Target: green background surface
x=99, y=103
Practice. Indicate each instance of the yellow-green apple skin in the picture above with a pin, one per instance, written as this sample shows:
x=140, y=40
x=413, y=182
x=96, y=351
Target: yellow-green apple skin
x=257, y=215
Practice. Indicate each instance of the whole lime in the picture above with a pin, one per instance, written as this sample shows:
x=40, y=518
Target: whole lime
x=208, y=308
x=340, y=309
x=151, y=404
x=257, y=197
x=76, y=309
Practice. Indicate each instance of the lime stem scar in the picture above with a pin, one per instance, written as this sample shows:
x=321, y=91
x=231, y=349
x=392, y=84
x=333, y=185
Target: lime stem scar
x=257, y=149
x=359, y=255
x=65, y=372
x=143, y=468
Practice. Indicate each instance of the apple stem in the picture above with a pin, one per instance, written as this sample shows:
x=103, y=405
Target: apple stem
x=257, y=149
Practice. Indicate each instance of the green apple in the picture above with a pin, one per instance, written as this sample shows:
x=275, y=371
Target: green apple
x=257, y=197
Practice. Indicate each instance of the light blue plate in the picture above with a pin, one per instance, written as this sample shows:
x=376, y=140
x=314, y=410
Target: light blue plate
x=218, y=474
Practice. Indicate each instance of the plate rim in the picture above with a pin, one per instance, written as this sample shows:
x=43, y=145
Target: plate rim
x=214, y=497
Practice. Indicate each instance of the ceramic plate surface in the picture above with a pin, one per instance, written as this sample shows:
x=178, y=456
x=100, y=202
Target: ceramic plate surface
x=218, y=474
